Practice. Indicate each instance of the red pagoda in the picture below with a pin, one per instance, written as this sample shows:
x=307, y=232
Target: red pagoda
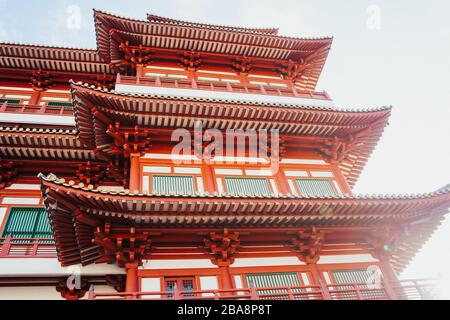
x=96, y=204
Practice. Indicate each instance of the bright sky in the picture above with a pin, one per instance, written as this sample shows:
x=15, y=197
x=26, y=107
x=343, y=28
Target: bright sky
x=384, y=53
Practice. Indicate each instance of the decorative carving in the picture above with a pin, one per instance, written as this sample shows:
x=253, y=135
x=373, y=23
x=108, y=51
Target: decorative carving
x=129, y=141
x=134, y=55
x=383, y=241
x=40, y=80
x=291, y=70
x=308, y=245
x=105, y=81
x=90, y=173
x=242, y=66
x=337, y=149
x=222, y=247
x=7, y=172
x=117, y=282
x=73, y=293
x=191, y=60
x=125, y=248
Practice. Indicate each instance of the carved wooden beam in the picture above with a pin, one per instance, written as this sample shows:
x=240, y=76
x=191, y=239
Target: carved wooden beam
x=40, y=80
x=7, y=172
x=222, y=247
x=124, y=248
x=308, y=244
x=72, y=291
x=191, y=60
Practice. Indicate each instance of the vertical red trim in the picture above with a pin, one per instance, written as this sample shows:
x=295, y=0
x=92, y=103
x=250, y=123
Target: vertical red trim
x=134, y=172
x=226, y=282
x=132, y=282
x=209, y=179
x=35, y=97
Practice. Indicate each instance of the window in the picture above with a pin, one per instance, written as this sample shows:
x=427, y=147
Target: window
x=270, y=280
x=248, y=186
x=316, y=186
x=182, y=284
x=60, y=104
x=28, y=223
x=10, y=101
x=274, y=280
x=175, y=184
x=358, y=276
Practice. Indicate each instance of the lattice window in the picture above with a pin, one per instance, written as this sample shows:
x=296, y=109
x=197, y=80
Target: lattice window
x=362, y=278
x=9, y=101
x=60, y=104
x=247, y=186
x=183, y=284
x=274, y=280
x=175, y=184
x=316, y=186
x=28, y=223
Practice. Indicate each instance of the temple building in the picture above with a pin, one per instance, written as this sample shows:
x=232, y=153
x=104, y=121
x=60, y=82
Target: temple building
x=182, y=160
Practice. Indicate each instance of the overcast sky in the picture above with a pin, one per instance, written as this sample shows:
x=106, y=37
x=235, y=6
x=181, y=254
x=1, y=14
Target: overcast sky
x=384, y=53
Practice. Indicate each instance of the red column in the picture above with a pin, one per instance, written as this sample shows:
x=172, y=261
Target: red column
x=139, y=70
x=208, y=178
x=35, y=97
x=134, y=172
x=282, y=182
x=132, y=283
x=318, y=279
x=226, y=278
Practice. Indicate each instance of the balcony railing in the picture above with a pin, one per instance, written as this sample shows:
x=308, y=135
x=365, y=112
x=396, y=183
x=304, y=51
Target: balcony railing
x=397, y=290
x=39, y=110
x=221, y=87
x=27, y=248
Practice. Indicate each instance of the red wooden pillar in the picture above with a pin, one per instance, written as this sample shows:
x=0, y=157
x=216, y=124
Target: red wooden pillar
x=282, y=182
x=226, y=278
x=134, y=172
x=318, y=279
x=132, y=283
x=139, y=71
x=35, y=97
x=390, y=280
x=208, y=178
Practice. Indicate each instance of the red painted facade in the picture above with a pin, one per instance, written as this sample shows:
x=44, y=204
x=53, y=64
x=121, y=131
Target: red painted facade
x=89, y=133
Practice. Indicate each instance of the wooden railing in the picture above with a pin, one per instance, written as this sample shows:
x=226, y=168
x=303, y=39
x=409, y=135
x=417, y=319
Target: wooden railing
x=220, y=86
x=27, y=248
x=397, y=290
x=33, y=109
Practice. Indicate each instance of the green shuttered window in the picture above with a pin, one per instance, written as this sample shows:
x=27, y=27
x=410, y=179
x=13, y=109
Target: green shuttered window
x=271, y=280
x=29, y=223
x=248, y=186
x=175, y=184
x=10, y=101
x=315, y=186
x=60, y=104
x=357, y=276
x=350, y=276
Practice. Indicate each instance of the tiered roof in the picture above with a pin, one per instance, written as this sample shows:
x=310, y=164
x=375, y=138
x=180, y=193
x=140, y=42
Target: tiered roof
x=168, y=35
x=419, y=215
x=363, y=127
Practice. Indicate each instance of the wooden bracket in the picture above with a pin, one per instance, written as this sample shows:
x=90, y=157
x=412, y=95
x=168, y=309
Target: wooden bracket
x=7, y=172
x=191, y=60
x=383, y=241
x=125, y=248
x=40, y=80
x=308, y=245
x=72, y=293
x=242, y=66
x=222, y=247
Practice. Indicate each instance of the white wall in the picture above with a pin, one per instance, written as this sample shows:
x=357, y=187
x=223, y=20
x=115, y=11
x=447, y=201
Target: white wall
x=29, y=293
x=51, y=267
